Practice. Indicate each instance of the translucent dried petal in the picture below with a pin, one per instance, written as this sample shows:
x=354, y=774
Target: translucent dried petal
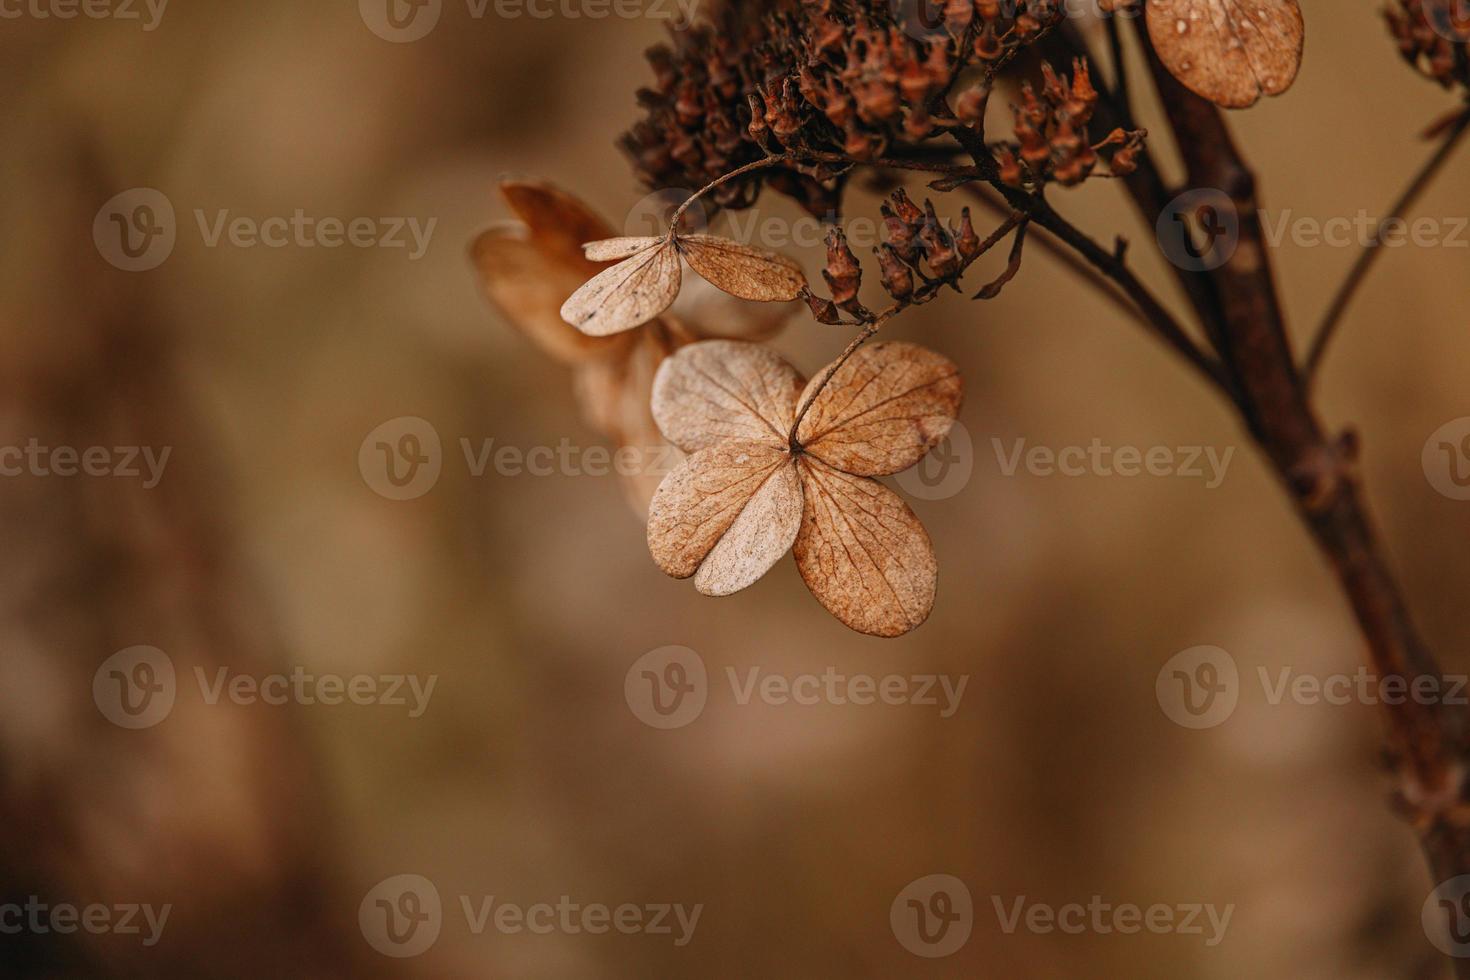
x=743, y=271
x=528, y=287
x=617, y=249
x=887, y=406
x=863, y=553
x=628, y=295
x=725, y=516
x=717, y=391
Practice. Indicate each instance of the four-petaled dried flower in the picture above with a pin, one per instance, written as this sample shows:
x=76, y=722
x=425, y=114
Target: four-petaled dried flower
x=757, y=483
x=1229, y=51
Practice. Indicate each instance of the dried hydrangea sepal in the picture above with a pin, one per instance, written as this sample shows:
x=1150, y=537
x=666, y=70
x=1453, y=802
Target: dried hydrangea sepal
x=1229, y=51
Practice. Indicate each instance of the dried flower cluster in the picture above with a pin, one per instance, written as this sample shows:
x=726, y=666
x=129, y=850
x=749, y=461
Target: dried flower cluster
x=1433, y=36
x=818, y=77
x=1051, y=134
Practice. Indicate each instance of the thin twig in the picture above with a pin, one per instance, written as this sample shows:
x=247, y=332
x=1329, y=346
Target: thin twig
x=1327, y=330
x=1120, y=72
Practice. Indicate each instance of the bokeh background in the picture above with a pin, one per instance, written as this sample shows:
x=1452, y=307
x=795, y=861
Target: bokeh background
x=264, y=549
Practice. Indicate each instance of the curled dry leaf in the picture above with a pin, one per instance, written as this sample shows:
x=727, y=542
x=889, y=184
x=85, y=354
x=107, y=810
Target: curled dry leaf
x=527, y=270
x=646, y=281
x=754, y=489
x=1229, y=51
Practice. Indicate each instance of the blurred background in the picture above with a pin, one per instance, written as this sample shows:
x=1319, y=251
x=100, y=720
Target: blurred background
x=272, y=832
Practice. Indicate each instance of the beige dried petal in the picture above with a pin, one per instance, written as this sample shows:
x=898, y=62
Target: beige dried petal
x=712, y=312
x=528, y=288
x=743, y=271
x=726, y=515
x=558, y=222
x=628, y=295
x=863, y=553
x=721, y=390
x=614, y=394
x=886, y=407
x=1229, y=51
x=617, y=249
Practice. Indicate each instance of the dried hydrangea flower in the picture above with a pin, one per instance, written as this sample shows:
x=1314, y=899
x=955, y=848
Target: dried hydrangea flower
x=778, y=464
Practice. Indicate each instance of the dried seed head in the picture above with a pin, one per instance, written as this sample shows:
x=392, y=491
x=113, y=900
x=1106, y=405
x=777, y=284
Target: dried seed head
x=970, y=106
x=843, y=273
x=849, y=77
x=898, y=278
x=939, y=248
x=823, y=309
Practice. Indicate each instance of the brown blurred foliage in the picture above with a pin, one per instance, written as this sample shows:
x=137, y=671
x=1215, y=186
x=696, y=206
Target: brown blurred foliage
x=528, y=778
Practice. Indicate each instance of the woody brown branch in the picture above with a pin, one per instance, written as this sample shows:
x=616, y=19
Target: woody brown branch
x=1426, y=741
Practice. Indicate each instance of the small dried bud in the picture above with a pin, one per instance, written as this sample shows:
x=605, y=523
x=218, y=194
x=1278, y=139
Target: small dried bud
x=823, y=309
x=907, y=211
x=898, y=278
x=970, y=106
x=900, y=235
x=1010, y=168
x=843, y=273
x=965, y=239
x=939, y=248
